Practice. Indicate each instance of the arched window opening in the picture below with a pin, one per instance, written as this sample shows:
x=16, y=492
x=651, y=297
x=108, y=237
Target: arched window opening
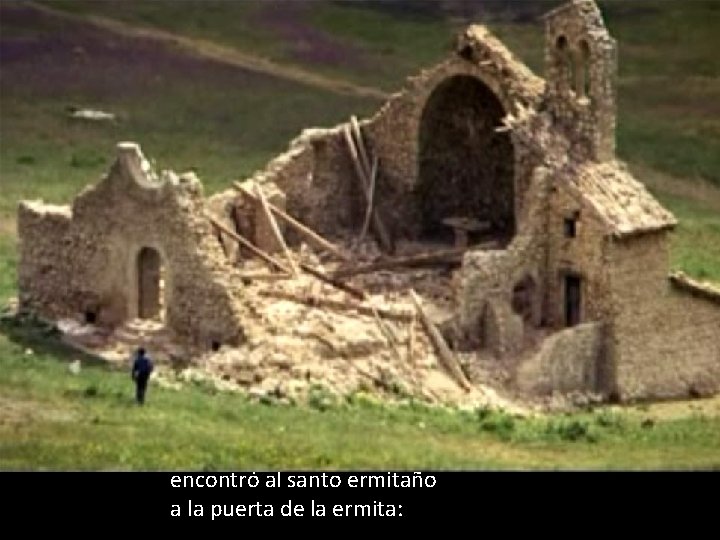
x=564, y=62
x=582, y=71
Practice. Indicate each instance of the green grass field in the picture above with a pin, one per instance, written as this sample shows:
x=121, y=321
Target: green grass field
x=54, y=419
x=225, y=122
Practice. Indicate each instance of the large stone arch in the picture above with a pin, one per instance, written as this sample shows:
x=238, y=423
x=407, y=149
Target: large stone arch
x=465, y=165
x=394, y=132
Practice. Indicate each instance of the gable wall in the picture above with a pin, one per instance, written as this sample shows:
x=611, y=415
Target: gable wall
x=86, y=260
x=666, y=341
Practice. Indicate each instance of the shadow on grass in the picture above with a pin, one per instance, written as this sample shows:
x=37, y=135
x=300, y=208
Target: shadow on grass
x=45, y=338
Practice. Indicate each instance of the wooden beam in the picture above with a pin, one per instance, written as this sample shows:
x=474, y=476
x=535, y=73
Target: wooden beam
x=359, y=172
x=361, y=148
x=272, y=262
x=257, y=276
x=218, y=235
x=381, y=232
x=441, y=347
x=387, y=332
x=301, y=228
x=353, y=291
x=276, y=230
x=411, y=342
x=319, y=302
x=371, y=201
x=450, y=256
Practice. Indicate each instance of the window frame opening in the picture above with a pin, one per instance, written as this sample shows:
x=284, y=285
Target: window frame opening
x=582, y=81
x=565, y=63
x=570, y=226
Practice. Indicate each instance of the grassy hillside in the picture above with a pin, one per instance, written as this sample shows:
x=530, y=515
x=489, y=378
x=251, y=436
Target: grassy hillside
x=186, y=112
x=669, y=84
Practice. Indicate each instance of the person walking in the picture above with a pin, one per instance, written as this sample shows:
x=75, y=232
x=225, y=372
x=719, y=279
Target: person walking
x=141, y=370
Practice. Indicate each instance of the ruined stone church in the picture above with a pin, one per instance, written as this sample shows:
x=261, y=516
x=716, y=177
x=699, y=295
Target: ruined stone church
x=565, y=275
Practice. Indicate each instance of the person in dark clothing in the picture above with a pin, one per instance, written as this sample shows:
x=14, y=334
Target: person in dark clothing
x=141, y=370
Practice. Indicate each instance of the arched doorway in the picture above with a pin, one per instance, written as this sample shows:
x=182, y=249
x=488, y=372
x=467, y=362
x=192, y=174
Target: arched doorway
x=150, y=284
x=466, y=167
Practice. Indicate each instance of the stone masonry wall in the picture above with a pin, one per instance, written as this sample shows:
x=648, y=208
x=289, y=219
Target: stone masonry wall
x=666, y=341
x=489, y=276
x=317, y=176
x=46, y=255
x=567, y=362
x=91, y=257
x=581, y=73
x=585, y=255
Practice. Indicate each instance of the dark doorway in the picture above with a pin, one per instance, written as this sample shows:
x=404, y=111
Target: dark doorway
x=523, y=298
x=149, y=268
x=573, y=300
x=466, y=167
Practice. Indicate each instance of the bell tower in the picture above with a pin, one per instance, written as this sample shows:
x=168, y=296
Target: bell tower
x=581, y=73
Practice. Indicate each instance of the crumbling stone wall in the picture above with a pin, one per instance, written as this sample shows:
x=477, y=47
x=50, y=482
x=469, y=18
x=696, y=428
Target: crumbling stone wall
x=45, y=255
x=317, y=174
x=666, y=341
x=490, y=276
x=84, y=259
x=562, y=134
x=568, y=361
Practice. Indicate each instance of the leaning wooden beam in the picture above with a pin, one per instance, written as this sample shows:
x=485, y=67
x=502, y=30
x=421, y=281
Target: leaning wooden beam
x=449, y=256
x=218, y=235
x=353, y=291
x=276, y=230
x=352, y=149
x=249, y=245
x=387, y=332
x=360, y=144
x=411, y=342
x=302, y=229
x=378, y=226
x=371, y=200
x=256, y=276
x=326, y=303
x=446, y=356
